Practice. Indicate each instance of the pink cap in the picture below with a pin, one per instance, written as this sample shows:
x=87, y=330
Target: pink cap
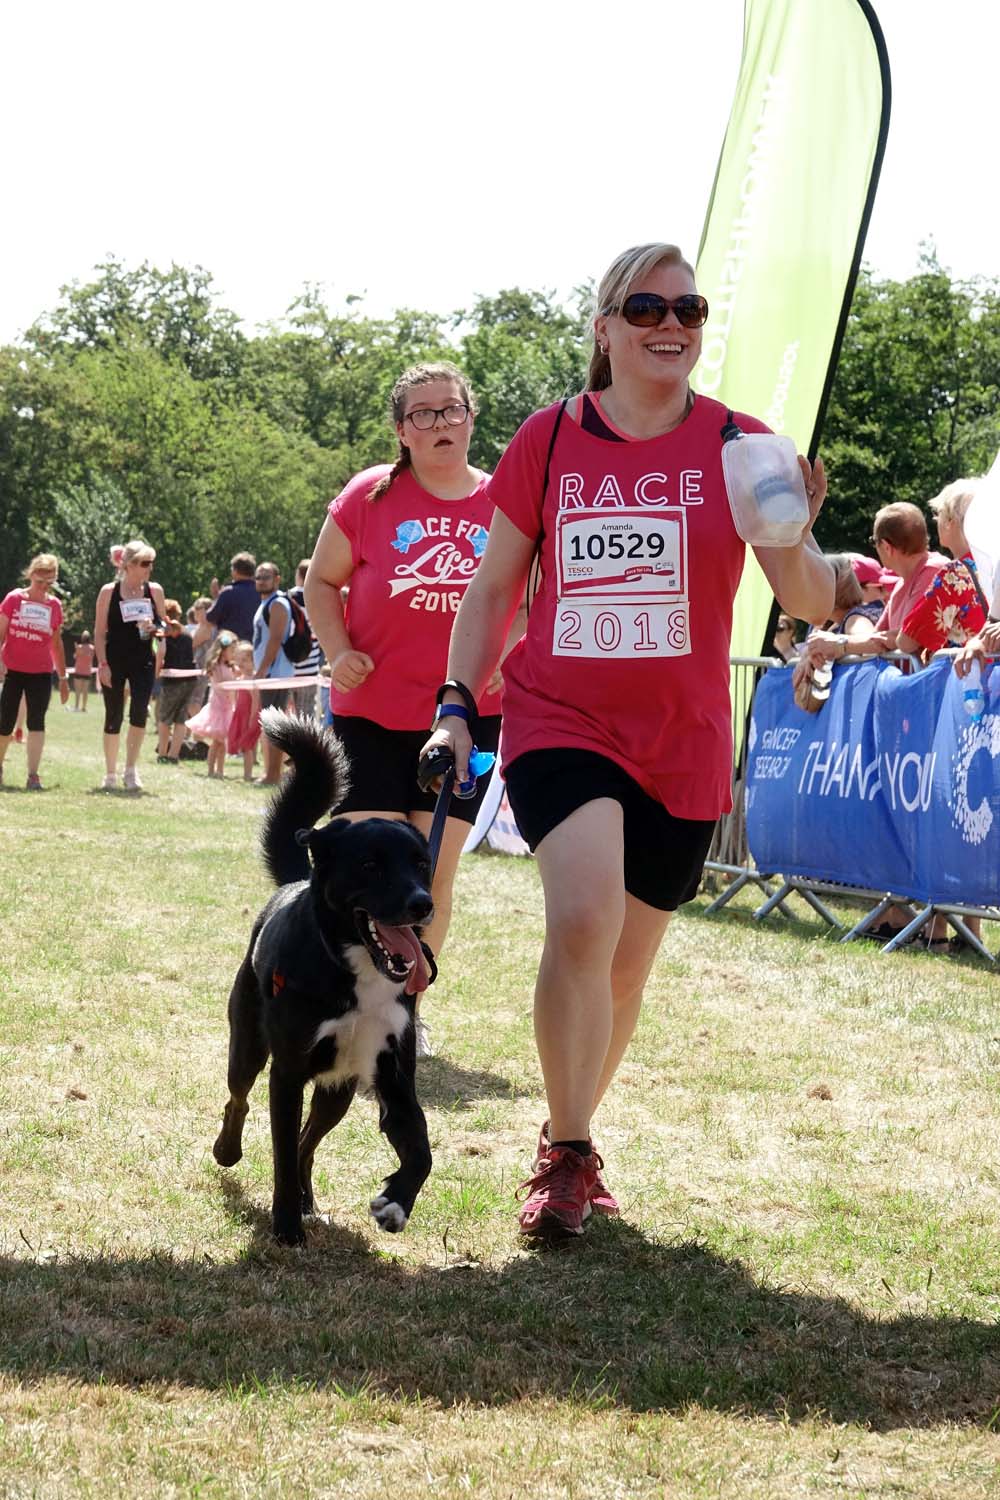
x=868, y=570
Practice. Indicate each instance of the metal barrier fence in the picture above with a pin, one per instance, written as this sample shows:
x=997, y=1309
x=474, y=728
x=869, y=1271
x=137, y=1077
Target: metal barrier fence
x=730, y=866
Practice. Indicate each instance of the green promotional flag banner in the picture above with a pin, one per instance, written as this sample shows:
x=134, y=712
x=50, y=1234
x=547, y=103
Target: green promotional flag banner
x=786, y=223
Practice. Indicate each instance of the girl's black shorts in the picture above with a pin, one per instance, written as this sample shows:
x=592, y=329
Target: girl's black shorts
x=384, y=768
x=664, y=855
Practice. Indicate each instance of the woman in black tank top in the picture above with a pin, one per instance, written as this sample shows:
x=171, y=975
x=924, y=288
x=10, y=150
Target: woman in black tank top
x=129, y=612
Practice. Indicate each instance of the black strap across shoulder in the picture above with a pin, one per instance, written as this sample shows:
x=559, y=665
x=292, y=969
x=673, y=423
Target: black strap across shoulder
x=535, y=566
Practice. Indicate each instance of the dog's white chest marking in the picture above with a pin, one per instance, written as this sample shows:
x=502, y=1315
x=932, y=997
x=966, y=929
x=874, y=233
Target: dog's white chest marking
x=363, y=1033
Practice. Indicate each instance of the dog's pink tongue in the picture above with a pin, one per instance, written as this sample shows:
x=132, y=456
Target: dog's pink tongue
x=404, y=940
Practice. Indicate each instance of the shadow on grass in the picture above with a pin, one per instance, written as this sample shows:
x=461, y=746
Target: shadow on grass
x=614, y=1320
x=443, y=1085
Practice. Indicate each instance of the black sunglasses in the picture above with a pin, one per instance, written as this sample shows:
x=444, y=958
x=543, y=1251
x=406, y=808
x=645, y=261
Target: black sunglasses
x=647, y=309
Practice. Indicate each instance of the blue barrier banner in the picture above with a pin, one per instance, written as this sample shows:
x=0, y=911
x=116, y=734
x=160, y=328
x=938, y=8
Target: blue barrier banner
x=892, y=785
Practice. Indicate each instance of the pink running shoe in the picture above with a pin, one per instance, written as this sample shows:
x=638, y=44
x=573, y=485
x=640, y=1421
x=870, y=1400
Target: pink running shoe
x=557, y=1197
x=602, y=1200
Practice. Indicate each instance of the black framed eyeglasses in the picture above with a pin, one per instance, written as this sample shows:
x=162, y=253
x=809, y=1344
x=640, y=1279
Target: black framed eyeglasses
x=424, y=417
x=647, y=309
x=875, y=541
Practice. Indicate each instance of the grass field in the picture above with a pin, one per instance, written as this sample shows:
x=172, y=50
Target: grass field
x=801, y=1298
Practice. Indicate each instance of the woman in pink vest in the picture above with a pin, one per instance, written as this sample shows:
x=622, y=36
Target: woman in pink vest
x=31, y=649
x=617, y=732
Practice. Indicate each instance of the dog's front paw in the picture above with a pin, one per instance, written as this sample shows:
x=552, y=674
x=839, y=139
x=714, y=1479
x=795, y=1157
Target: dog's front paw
x=226, y=1151
x=288, y=1229
x=388, y=1215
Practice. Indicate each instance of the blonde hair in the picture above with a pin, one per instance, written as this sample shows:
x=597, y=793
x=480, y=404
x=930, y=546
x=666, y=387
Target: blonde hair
x=903, y=526
x=417, y=375
x=847, y=592
x=42, y=561
x=953, y=501
x=121, y=556
x=223, y=640
x=626, y=269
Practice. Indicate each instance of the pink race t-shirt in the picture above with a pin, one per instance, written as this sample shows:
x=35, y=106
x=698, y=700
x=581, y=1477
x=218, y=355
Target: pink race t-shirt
x=28, y=643
x=627, y=647
x=413, y=556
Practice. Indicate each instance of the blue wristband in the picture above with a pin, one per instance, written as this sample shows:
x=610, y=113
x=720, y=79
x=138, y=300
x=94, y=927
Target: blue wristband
x=451, y=710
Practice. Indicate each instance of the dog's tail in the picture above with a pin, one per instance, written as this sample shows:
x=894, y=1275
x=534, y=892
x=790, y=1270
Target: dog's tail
x=318, y=782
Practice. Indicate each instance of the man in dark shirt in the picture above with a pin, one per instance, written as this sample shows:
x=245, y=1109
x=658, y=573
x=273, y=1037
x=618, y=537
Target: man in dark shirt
x=237, y=603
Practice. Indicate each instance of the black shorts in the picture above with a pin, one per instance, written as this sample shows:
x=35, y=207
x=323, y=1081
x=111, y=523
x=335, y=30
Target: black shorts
x=37, y=690
x=139, y=675
x=384, y=768
x=664, y=855
x=277, y=697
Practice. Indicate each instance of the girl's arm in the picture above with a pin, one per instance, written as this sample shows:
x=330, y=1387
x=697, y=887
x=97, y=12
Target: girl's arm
x=4, y=627
x=101, y=634
x=59, y=658
x=330, y=569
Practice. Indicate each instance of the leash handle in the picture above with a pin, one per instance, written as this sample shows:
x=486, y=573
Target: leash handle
x=440, y=816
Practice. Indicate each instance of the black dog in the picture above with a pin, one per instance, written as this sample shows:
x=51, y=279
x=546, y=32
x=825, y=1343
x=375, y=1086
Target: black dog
x=328, y=983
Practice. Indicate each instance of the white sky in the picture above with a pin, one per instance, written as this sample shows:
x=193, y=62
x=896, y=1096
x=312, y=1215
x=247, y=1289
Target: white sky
x=422, y=153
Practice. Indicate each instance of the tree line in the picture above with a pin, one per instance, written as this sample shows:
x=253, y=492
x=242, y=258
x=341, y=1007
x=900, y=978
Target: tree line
x=139, y=406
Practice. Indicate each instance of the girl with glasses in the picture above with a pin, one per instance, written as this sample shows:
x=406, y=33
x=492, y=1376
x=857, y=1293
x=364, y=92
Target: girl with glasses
x=31, y=648
x=404, y=540
x=129, y=612
x=617, y=719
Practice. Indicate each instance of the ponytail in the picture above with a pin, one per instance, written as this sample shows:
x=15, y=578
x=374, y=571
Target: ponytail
x=383, y=485
x=599, y=374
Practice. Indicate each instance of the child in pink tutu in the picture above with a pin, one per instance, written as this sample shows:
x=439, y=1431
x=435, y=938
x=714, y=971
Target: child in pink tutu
x=244, y=726
x=211, y=723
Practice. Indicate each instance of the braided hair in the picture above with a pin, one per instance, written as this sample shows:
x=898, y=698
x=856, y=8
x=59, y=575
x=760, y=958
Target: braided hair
x=416, y=375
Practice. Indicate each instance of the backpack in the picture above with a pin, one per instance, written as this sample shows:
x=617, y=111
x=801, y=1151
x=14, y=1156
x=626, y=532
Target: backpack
x=299, y=641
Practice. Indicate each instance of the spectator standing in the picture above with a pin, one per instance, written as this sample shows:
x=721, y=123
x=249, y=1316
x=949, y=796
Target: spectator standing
x=244, y=726
x=202, y=634
x=83, y=670
x=952, y=609
x=212, y=722
x=272, y=626
x=176, y=654
x=236, y=604
x=31, y=648
x=304, y=698
x=129, y=612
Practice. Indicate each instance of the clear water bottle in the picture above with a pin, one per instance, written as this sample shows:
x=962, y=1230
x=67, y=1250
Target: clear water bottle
x=767, y=494
x=973, y=698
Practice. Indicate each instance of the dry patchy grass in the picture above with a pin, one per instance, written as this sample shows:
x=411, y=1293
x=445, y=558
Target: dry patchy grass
x=801, y=1297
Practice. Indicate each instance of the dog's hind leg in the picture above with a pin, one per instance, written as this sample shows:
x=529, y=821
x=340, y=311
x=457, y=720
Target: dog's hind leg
x=285, y=1091
x=247, y=1055
x=403, y=1121
x=328, y=1108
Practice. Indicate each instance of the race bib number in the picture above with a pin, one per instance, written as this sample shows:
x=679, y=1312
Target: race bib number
x=134, y=610
x=32, y=616
x=622, y=582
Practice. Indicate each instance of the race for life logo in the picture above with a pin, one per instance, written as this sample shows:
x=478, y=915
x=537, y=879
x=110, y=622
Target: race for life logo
x=445, y=555
x=973, y=823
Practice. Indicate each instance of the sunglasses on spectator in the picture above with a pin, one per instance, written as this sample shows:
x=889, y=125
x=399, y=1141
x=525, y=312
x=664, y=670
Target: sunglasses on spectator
x=647, y=309
x=143, y=562
x=424, y=417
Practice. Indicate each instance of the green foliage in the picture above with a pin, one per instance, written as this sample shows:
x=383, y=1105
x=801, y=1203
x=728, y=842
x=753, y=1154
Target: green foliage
x=916, y=400
x=139, y=406
x=520, y=352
